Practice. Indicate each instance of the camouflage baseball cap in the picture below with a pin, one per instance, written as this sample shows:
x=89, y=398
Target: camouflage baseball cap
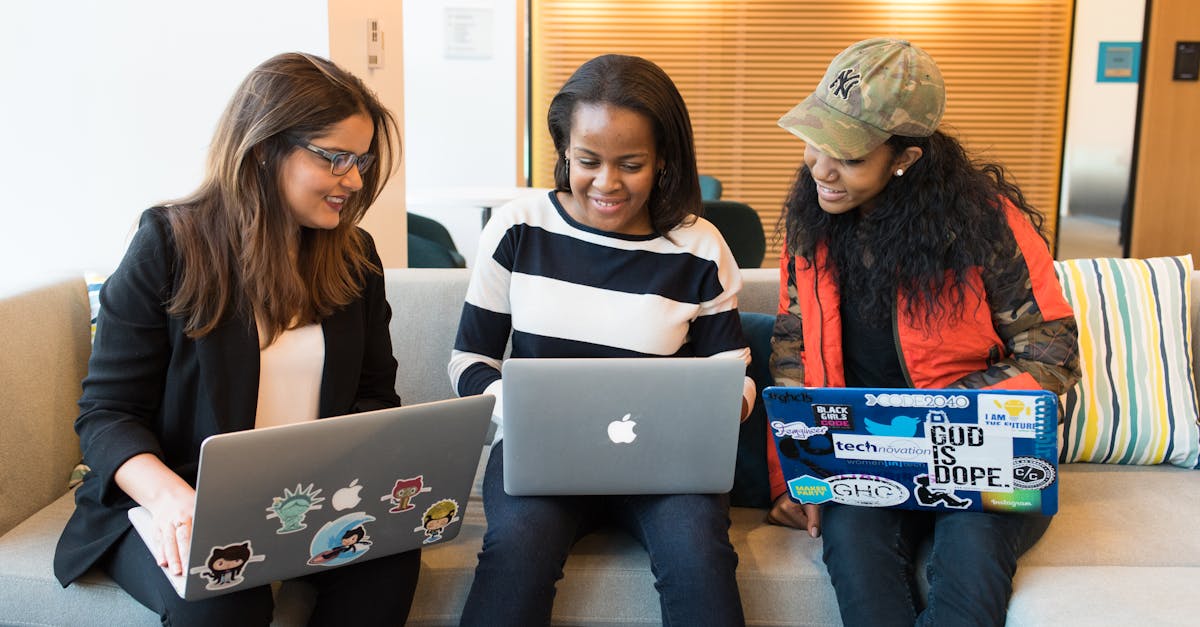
x=874, y=89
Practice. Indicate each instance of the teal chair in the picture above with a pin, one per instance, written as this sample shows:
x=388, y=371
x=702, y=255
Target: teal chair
x=710, y=187
x=742, y=229
x=430, y=245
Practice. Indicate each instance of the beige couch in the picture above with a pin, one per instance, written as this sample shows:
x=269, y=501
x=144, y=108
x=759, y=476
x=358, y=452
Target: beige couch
x=1122, y=550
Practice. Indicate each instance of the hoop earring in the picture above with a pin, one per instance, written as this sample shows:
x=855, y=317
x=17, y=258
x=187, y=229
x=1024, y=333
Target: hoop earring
x=900, y=172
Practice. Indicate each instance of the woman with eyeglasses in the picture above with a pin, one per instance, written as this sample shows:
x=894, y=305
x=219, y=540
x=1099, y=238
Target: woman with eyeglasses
x=255, y=301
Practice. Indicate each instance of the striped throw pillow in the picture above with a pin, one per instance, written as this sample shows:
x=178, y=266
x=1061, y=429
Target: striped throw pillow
x=1136, y=402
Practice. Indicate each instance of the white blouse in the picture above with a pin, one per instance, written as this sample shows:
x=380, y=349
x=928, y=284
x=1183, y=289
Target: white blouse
x=289, y=377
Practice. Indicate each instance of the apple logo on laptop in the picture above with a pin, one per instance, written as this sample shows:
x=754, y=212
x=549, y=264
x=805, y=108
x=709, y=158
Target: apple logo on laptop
x=347, y=497
x=621, y=431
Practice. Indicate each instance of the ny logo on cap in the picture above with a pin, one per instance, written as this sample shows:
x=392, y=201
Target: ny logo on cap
x=845, y=81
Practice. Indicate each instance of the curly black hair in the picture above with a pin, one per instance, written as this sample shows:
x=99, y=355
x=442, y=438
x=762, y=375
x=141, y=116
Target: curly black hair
x=930, y=227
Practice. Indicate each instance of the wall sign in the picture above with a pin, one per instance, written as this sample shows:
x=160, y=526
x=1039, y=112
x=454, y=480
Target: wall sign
x=1119, y=62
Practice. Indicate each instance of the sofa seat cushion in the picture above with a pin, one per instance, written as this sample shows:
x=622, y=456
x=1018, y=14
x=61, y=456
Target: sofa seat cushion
x=26, y=573
x=1122, y=516
x=607, y=579
x=1104, y=595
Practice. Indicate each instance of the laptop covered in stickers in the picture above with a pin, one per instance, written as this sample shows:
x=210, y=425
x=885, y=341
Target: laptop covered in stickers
x=287, y=501
x=934, y=450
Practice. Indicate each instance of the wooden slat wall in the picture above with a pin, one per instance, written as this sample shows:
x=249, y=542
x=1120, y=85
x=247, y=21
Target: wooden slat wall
x=741, y=65
x=1166, y=209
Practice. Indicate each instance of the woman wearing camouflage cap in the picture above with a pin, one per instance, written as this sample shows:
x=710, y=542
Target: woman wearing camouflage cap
x=907, y=265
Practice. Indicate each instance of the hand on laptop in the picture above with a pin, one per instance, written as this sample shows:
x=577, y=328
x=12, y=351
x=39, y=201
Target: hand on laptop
x=174, y=533
x=170, y=501
x=788, y=512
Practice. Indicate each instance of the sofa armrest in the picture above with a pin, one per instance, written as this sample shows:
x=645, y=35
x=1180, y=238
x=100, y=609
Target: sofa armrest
x=45, y=338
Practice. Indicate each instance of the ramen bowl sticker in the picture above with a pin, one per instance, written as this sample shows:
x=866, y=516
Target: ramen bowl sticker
x=1032, y=473
x=866, y=490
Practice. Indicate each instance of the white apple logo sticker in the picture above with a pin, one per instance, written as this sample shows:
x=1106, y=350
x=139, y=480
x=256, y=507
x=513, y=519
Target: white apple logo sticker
x=621, y=431
x=347, y=497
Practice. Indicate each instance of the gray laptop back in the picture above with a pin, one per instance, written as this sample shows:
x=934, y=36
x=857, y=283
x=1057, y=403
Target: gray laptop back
x=287, y=501
x=621, y=426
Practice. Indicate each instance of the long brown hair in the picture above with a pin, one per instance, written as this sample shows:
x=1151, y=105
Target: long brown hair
x=235, y=232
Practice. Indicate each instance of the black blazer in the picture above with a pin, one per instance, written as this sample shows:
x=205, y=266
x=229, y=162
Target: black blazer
x=151, y=389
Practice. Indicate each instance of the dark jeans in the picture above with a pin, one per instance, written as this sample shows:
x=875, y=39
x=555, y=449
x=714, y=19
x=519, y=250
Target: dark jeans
x=870, y=554
x=372, y=592
x=528, y=539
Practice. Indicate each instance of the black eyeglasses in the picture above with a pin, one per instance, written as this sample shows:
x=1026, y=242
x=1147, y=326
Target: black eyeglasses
x=339, y=162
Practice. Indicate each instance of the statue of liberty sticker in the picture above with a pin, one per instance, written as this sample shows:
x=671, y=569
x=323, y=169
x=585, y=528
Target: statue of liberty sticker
x=293, y=506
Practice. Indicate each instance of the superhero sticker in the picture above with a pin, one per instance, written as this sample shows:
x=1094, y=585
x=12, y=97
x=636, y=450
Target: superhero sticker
x=435, y=519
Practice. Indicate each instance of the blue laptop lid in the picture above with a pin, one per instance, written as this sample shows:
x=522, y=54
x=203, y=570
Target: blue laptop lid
x=970, y=450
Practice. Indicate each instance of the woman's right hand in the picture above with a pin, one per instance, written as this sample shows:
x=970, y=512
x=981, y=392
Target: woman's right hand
x=787, y=512
x=173, y=519
x=170, y=501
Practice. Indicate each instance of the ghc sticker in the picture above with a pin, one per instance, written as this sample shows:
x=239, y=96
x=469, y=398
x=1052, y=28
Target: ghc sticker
x=809, y=489
x=867, y=490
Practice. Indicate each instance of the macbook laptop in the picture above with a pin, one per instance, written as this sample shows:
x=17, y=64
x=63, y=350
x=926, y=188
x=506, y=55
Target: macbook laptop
x=970, y=450
x=621, y=425
x=287, y=501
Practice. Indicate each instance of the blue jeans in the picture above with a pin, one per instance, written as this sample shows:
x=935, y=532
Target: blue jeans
x=528, y=539
x=871, y=555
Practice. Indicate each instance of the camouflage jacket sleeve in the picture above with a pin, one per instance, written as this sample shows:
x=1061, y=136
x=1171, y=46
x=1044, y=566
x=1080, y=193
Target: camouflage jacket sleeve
x=787, y=340
x=1047, y=350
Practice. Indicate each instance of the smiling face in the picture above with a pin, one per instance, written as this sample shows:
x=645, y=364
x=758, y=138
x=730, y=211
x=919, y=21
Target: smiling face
x=313, y=194
x=846, y=184
x=612, y=165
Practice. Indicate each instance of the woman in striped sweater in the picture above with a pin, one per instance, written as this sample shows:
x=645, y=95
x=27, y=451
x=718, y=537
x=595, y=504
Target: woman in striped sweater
x=615, y=262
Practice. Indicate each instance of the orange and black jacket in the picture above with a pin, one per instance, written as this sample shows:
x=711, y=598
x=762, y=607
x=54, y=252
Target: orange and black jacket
x=1015, y=329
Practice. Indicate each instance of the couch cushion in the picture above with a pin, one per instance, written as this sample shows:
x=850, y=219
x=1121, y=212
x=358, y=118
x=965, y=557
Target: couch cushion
x=26, y=573
x=1136, y=401
x=607, y=578
x=1122, y=516
x=1104, y=595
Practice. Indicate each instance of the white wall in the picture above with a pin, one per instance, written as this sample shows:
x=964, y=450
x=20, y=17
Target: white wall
x=459, y=113
x=1100, y=116
x=348, y=28
x=108, y=107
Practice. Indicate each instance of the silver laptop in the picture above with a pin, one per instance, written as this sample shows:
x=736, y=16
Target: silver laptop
x=621, y=426
x=292, y=500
